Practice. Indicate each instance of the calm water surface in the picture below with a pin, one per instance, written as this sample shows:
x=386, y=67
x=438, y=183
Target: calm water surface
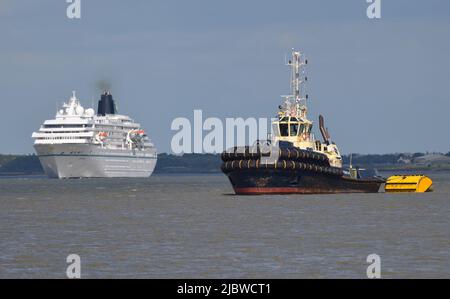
x=192, y=227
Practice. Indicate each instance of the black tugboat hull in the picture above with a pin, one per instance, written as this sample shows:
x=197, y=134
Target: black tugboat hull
x=284, y=181
x=296, y=171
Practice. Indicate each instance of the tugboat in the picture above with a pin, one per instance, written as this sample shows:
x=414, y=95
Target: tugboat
x=292, y=161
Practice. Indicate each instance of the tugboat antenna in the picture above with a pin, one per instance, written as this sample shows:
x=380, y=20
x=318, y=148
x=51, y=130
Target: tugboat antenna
x=295, y=99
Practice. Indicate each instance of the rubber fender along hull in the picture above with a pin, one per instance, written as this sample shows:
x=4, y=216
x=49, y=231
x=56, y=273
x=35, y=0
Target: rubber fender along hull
x=288, y=154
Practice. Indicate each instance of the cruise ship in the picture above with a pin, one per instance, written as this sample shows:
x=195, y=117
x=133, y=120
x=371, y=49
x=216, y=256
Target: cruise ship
x=80, y=143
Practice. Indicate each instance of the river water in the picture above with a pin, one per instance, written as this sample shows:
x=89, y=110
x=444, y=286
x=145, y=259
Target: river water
x=194, y=227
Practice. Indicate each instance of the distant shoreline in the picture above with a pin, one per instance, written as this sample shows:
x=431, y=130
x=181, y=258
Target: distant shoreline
x=29, y=165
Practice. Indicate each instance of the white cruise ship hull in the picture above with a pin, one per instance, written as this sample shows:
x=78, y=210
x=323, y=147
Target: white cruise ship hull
x=92, y=161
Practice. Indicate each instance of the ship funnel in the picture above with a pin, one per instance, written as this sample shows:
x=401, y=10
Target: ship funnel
x=323, y=130
x=106, y=104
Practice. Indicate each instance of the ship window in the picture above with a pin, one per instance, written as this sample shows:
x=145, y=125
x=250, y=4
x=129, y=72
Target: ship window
x=284, y=130
x=64, y=126
x=302, y=128
x=294, y=129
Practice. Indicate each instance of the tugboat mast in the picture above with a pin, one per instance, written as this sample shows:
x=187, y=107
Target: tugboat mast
x=295, y=104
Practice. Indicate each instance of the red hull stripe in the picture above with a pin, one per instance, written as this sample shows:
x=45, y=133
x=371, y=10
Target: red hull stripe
x=292, y=190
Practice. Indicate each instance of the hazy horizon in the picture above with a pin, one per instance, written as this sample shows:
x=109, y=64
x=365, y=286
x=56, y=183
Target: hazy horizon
x=381, y=84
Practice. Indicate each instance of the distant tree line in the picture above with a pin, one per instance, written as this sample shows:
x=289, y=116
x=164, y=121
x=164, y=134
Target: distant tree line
x=188, y=163
x=14, y=164
x=197, y=163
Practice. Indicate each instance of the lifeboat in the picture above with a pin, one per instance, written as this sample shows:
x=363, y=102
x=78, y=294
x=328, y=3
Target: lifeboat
x=138, y=133
x=136, y=137
x=101, y=136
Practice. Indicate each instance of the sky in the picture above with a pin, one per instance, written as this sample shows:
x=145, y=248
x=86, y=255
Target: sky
x=382, y=85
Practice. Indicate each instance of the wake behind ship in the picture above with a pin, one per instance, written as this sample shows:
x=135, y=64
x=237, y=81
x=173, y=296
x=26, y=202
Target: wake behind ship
x=293, y=161
x=80, y=143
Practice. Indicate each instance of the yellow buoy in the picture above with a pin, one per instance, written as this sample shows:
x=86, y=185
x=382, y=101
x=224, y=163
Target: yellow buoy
x=409, y=183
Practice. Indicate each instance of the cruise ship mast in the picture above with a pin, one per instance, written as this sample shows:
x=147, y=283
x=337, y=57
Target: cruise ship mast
x=295, y=104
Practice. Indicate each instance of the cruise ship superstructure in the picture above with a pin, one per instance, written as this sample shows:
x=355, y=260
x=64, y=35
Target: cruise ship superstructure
x=81, y=143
